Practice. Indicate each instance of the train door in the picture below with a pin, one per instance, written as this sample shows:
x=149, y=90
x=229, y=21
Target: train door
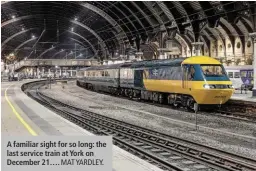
x=251, y=77
x=187, y=76
x=138, y=78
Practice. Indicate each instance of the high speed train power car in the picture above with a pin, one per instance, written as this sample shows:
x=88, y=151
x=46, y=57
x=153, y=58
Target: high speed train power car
x=186, y=82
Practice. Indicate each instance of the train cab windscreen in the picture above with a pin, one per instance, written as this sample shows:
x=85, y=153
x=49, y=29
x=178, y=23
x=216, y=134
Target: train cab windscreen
x=212, y=72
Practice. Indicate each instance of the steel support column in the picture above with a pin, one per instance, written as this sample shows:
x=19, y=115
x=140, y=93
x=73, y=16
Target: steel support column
x=197, y=46
x=161, y=46
x=253, y=36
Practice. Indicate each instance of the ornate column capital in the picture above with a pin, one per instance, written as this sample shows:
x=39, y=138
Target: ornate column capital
x=197, y=45
x=253, y=36
x=139, y=55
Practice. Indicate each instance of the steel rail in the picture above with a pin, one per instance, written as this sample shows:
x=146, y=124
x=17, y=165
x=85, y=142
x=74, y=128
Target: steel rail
x=148, y=140
x=228, y=110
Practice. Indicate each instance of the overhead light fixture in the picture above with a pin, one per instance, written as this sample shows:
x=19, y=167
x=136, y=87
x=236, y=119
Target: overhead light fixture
x=62, y=49
x=75, y=18
x=13, y=16
x=72, y=29
x=33, y=36
x=22, y=29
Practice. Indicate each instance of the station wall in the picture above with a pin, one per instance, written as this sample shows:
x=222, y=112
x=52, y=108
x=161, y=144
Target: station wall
x=227, y=53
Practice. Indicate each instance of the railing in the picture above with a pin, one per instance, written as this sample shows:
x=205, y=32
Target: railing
x=53, y=62
x=244, y=88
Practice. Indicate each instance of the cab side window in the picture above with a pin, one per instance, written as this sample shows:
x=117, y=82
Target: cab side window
x=191, y=72
x=188, y=72
x=184, y=72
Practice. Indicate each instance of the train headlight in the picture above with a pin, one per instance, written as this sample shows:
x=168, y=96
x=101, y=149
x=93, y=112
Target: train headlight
x=231, y=86
x=207, y=86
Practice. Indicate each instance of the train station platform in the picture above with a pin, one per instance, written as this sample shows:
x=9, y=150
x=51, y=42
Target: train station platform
x=21, y=115
x=243, y=96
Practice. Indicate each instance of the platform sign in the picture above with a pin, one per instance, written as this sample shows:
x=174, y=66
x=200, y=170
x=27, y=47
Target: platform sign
x=54, y=153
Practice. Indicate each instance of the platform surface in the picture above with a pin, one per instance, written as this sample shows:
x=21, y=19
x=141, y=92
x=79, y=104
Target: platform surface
x=21, y=115
x=243, y=96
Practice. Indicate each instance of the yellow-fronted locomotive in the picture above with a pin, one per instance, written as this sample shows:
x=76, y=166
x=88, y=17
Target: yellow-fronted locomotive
x=186, y=82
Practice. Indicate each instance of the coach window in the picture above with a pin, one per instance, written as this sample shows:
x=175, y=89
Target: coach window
x=237, y=75
x=230, y=75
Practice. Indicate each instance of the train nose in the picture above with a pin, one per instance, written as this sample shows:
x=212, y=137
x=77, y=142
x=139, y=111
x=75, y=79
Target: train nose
x=222, y=97
x=213, y=96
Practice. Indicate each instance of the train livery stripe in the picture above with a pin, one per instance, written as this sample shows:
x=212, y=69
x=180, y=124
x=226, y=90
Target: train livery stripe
x=193, y=88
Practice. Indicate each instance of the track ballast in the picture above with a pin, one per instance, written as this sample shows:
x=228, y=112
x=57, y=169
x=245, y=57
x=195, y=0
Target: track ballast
x=166, y=152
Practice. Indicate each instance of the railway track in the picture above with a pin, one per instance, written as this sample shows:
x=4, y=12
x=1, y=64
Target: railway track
x=233, y=109
x=166, y=152
x=240, y=108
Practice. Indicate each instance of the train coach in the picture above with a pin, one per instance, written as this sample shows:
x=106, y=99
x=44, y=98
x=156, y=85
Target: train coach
x=241, y=76
x=186, y=82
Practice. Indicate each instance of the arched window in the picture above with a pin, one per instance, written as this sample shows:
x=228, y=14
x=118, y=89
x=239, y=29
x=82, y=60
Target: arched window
x=249, y=44
x=238, y=45
x=220, y=47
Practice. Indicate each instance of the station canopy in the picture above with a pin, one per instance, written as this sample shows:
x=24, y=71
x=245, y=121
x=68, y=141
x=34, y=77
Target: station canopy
x=35, y=29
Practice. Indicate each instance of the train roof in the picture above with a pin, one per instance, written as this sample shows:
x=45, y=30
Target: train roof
x=200, y=60
x=83, y=69
x=139, y=64
x=159, y=62
x=239, y=67
x=101, y=67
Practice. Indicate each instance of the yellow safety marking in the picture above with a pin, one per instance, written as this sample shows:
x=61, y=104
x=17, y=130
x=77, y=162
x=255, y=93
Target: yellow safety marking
x=30, y=130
